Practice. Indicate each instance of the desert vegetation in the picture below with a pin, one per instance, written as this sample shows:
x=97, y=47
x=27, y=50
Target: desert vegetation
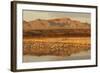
x=55, y=46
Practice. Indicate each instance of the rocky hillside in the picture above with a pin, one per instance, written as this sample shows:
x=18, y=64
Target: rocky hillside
x=58, y=26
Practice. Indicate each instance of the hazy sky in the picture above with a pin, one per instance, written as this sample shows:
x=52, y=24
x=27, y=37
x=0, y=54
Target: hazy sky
x=29, y=15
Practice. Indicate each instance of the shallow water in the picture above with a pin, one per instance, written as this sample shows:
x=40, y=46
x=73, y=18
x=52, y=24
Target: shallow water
x=79, y=56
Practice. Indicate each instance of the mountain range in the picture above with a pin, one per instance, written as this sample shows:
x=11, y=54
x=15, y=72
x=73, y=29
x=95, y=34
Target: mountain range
x=58, y=23
x=56, y=26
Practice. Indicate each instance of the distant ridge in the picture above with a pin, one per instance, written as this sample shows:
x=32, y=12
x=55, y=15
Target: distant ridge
x=57, y=26
x=58, y=23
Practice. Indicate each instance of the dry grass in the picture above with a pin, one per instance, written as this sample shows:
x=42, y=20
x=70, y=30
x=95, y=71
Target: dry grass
x=62, y=46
